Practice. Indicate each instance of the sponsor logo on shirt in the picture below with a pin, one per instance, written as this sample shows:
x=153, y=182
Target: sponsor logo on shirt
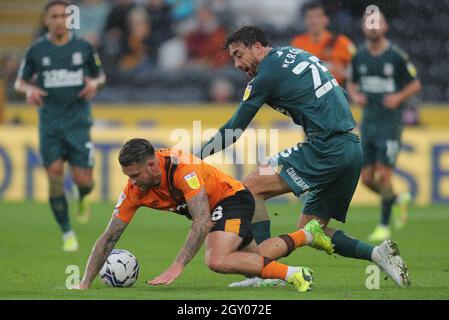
x=63, y=78
x=192, y=180
x=376, y=84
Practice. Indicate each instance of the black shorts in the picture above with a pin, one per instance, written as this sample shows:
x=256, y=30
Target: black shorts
x=234, y=214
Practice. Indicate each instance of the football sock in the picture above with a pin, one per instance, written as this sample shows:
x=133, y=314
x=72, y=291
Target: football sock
x=347, y=246
x=387, y=204
x=299, y=237
x=85, y=190
x=273, y=269
x=61, y=212
x=68, y=234
x=261, y=231
x=294, y=240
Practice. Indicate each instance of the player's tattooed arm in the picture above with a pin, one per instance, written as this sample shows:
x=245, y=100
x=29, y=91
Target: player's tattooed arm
x=202, y=223
x=102, y=249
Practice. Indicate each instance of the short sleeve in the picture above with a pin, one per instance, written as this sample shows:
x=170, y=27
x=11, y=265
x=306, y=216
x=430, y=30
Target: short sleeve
x=353, y=74
x=27, y=66
x=93, y=62
x=188, y=180
x=406, y=71
x=127, y=205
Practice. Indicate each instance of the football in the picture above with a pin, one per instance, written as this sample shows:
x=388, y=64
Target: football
x=121, y=269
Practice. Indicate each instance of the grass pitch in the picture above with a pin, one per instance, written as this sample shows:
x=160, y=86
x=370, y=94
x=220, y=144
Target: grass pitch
x=33, y=265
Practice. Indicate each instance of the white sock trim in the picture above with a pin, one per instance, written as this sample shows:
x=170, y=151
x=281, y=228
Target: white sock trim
x=291, y=271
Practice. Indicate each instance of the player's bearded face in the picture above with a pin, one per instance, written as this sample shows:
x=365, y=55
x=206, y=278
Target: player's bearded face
x=143, y=175
x=244, y=58
x=55, y=20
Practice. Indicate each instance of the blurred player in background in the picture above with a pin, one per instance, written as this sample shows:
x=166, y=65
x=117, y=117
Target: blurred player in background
x=59, y=74
x=221, y=209
x=381, y=79
x=327, y=165
x=335, y=50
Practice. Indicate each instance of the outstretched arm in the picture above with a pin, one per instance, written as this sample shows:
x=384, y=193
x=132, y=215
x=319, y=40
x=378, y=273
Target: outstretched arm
x=202, y=223
x=101, y=250
x=230, y=132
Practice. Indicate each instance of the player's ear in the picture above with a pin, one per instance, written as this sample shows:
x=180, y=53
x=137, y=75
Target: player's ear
x=151, y=163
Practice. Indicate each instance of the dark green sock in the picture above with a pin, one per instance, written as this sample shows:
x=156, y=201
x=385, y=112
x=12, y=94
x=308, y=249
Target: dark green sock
x=387, y=204
x=61, y=212
x=85, y=190
x=261, y=231
x=349, y=247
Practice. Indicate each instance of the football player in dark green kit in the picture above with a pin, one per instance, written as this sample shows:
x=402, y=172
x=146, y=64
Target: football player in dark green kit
x=59, y=74
x=381, y=79
x=326, y=166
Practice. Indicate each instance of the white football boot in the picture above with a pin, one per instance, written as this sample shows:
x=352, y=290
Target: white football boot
x=259, y=282
x=387, y=257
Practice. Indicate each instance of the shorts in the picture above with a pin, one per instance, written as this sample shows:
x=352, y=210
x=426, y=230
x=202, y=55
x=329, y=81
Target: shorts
x=381, y=146
x=234, y=214
x=329, y=178
x=71, y=144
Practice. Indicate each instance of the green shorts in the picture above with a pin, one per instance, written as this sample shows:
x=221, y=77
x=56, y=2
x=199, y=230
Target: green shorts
x=329, y=176
x=381, y=145
x=71, y=144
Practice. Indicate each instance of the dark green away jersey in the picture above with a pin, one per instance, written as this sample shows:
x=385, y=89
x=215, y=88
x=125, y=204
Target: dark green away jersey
x=379, y=75
x=297, y=84
x=60, y=71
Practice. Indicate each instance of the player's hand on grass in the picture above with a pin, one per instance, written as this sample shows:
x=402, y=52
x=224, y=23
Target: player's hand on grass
x=83, y=286
x=393, y=100
x=90, y=89
x=34, y=95
x=170, y=275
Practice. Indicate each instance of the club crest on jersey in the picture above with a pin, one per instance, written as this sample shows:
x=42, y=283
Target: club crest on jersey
x=363, y=69
x=388, y=69
x=77, y=58
x=192, y=180
x=46, y=61
x=247, y=92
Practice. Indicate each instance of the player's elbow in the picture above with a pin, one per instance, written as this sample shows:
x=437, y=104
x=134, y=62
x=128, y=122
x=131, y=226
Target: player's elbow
x=418, y=86
x=18, y=85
